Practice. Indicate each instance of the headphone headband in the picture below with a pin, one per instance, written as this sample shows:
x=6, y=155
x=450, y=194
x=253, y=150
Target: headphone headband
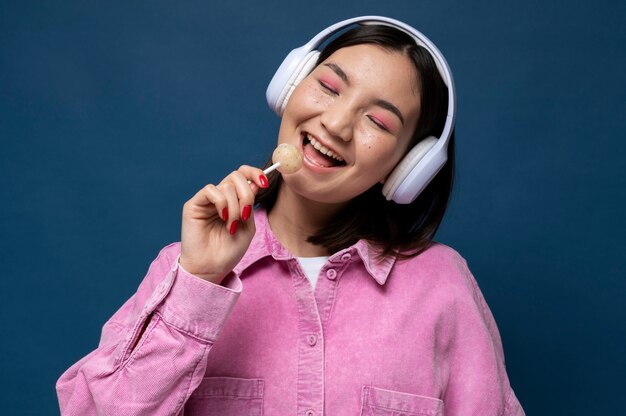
x=423, y=162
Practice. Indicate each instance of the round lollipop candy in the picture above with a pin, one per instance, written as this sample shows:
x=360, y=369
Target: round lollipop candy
x=287, y=159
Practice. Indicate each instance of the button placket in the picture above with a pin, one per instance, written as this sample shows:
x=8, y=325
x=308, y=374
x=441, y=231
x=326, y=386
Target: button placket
x=310, y=381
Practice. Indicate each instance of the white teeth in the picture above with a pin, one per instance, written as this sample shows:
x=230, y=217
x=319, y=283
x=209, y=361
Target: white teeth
x=322, y=149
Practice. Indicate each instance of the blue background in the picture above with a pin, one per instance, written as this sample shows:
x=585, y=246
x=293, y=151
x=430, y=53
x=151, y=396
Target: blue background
x=113, y=114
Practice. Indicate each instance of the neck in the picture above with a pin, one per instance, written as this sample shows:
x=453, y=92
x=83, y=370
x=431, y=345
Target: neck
x=293, y=219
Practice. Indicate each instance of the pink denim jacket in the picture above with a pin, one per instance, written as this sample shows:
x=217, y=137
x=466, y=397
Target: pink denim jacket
x=391, y=337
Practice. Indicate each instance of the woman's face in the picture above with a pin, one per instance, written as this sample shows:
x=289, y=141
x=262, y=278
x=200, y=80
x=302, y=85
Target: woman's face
x=361, y=104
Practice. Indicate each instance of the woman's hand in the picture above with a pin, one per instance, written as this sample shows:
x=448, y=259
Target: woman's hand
x=218, y=224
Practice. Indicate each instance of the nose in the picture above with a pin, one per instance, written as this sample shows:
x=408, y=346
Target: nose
x=338, y=120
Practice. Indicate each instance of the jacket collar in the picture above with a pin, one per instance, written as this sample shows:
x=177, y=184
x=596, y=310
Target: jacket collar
x=264, y=244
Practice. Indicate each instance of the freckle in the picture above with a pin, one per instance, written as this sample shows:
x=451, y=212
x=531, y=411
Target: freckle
x=367, y=139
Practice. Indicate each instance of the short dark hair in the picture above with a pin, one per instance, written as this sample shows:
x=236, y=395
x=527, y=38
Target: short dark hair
x=402, y=229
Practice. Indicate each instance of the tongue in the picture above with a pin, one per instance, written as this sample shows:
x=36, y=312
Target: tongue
x=317, y=157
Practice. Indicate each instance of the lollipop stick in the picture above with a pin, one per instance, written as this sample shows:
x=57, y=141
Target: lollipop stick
x=271, y=168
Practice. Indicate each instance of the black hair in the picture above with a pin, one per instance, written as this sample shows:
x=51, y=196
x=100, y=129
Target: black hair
x=402, y=229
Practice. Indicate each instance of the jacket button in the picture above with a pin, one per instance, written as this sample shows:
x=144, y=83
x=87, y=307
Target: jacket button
x=346, y=257
x=312, y=339
x=331, y=273
x=310, y=413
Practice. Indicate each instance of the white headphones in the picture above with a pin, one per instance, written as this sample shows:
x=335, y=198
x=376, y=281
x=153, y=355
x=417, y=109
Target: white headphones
x=420, y=165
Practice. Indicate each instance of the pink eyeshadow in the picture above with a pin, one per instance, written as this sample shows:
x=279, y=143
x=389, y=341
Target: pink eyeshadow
x=329, y=82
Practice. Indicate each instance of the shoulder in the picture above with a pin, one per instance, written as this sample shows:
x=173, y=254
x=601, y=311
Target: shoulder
x=441, y=270
x=440, y=254
x=441, y=278
x=438, y=261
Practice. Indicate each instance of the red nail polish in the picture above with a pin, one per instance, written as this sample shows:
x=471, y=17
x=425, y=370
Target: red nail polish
x=233, y=227
x=264, y=182
x=247, y=210
x=225, y=214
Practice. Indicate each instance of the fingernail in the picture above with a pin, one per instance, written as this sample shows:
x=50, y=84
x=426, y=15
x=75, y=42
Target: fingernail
x=247, y=210
x=233, y=227
x=264, y=183
x=225, y=214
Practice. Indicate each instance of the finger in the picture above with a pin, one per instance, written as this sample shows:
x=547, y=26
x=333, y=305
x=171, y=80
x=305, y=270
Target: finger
x=209, y=197
x=245, y=193
x=229, y=191
x=255, y=176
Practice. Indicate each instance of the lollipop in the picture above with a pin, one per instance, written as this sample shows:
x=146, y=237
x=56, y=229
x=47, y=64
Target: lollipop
x=287, y=159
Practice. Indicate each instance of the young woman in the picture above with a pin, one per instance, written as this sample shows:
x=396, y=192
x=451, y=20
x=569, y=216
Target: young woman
x=310, y=293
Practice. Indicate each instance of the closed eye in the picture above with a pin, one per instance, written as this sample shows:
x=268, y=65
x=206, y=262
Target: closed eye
x=328, y=88
x=378, y=123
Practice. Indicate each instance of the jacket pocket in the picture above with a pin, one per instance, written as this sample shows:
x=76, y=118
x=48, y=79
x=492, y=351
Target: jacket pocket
x=227, y=396
x=380, y=402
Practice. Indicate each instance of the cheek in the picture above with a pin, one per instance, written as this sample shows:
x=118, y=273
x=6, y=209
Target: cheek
x=374, y=148
x=314, y=95
x=368, y=139
x=374, y=145
x=303, y=103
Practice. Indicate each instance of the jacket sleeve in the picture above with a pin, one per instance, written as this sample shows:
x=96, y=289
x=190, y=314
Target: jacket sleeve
x=478, y=383
x=153, y=351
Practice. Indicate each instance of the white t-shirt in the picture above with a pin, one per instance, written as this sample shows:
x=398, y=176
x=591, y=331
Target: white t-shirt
x=312, y=267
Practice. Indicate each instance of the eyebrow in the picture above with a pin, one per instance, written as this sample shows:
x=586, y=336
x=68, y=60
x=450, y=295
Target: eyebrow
x=380, y=103
x=337, y=70
x=390, y=107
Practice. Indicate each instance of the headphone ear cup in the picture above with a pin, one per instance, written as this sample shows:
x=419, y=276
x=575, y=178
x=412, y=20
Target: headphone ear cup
x=406, y=166
x=303, y=69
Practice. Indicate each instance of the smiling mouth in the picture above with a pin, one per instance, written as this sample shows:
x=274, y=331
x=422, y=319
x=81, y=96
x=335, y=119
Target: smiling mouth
x=318, y=154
